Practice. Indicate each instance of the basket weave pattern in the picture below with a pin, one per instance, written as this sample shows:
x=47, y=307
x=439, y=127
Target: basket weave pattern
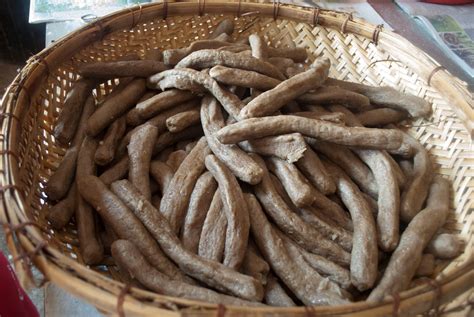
x=30, y=153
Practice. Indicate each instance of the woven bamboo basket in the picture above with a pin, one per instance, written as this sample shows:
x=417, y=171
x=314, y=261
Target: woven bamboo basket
x=358, y=52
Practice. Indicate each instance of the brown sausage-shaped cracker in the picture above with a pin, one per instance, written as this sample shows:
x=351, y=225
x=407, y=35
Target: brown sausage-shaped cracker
x=381, y=116
x=239, y=162
x=225, y=26
x=295, y=70
x=212, y=273
x=117, y=171
x=85, y=160
x=311, y=166
x=116, y=106
x=295, y=184
x=293, y=270
x=156, y=104
x=323, y=266
x=242, y=78
x=189, y=145
x=159, y=121
x=133, y=260
x=272, y=100
x=254, y=128
x=328, y=229
x=349, y=162
x=282, y=64
x=60, y=181
x=175, y=159
x=289, y=147
x=227, y=38
x=174, y=55
x=107, y=236
x=162, y=174
x=281, y=191
x=254, y=265
x=175, y=199
x=147, y=95
x=183, y=120
x=327, y=210
x=335, y=117
x=388, y=200
x=132, y=118
x=238, y=223
x=381, y=163
x=106, y=151
x=120, y=169
x=212, y=239
x=316, y=109
x=328, y=95
x=167, y=139
x=60, y=214
x=210, y=58
x=297, y=54
x=446, y=246
x=199, y=204
x=407, y=256
x=107, y=70
x=69, y=117
x=399, y=174
x=275, y=294
x=140, y=150
x=416, y=189
x=199, y=82
x=373, y=204
x=258, y=47
x=364, y=257
x=388, y=97
x=124, y=273
x=183, y=78
x=127, y=226
x=328, y=223
x=427, y=265
x=91, y=248
x=188, y=79
x=291, y=224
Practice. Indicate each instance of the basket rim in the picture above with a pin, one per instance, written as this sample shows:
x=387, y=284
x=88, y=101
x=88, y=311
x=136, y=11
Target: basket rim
x=12, y=210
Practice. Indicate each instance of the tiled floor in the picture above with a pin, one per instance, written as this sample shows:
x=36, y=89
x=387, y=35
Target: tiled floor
x=50, y=300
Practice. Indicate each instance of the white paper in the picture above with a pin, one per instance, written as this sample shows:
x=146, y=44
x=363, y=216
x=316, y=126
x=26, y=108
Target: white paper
x=66, y=10
x=464, y=14
x=56, y=30
x=452, y=27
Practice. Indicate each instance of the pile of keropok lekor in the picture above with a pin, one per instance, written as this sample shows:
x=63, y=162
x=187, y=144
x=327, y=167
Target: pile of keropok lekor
x=233, y=172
